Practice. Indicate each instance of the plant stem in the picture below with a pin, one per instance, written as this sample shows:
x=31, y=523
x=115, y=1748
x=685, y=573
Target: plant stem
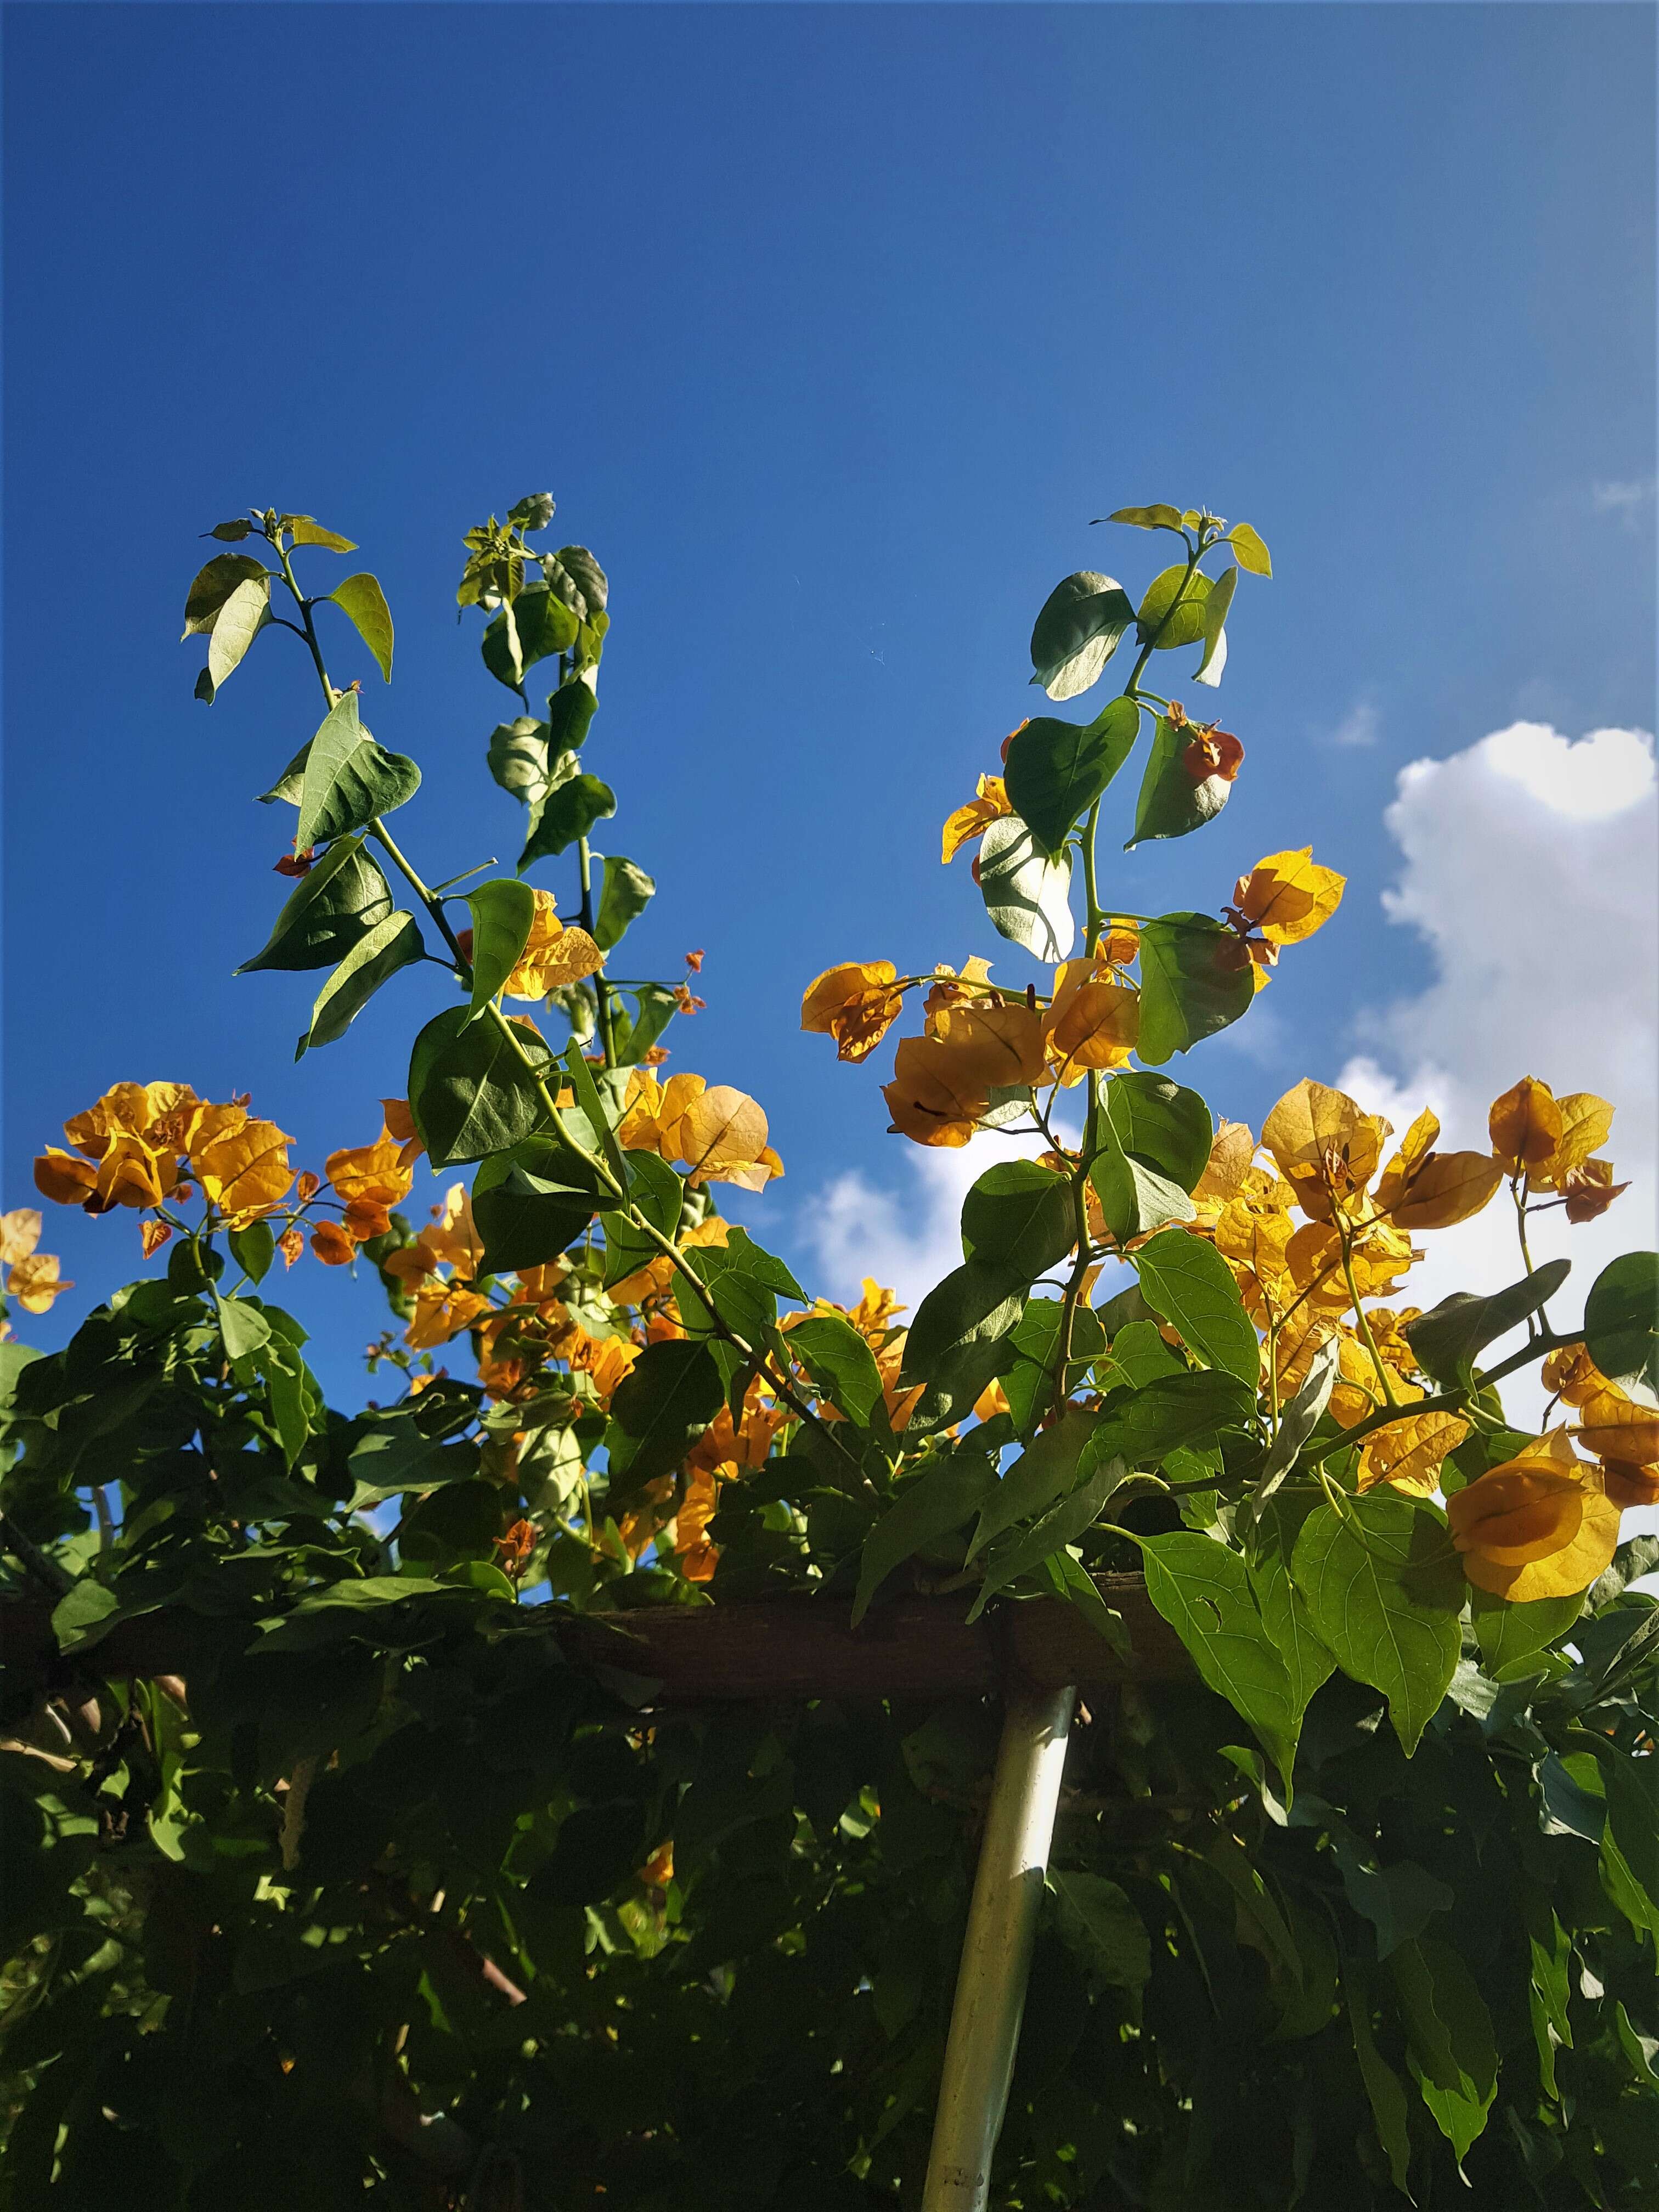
x=601, y=989
x=310, y=630
x=1361, y=1317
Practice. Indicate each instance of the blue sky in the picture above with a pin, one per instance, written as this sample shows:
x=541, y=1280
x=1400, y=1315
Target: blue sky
x=829, y=329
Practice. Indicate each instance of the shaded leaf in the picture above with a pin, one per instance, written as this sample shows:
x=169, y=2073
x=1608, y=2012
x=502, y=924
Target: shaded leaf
x=1203, y=1591
x=945, y=1494
x=469, y=1092
x=214, y=585
x=1056, y=771
x=1385, y=1589
x=342, y=899
x=390, y=944
x=1195, y=980
x=1447, y=1339
x=1621, y=1321
x=567, y=812
x=349, y=779
x=1020, y=1219
x=627, y=891
x=1077, y=631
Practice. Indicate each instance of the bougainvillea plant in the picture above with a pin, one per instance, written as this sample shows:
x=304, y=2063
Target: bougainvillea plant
x=335, y=1870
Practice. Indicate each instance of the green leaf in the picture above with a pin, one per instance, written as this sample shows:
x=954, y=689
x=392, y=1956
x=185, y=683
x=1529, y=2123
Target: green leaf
x=1056, y=771
x=1097, y=1923
x=526, y=1219
x=663, y=1403
x=580, y=570
x=1045, y=1471
x=1062, y=1525
x=570, y=709
x=533, y=513
x=1621, y=1321
x=1385, y=1590
x=393, y=943
x=519, y=756
x=1195, y=980
x=1077, y=631
x=80, y=1610
x=1299, y=1417
x=1018, y=1218
x=306, y=529
x=1172, y=612
x=840, y=1362
x=1215, y=635
x=1135, y=1199
x=1172, y=804
x=956, y=1340
x=1138, y=1355
x=361, y=599
x=229, y=533
x=1161, y=1123
x=254, y=1250
x=349, y=779
x=1309, y=1662
x=537, y=623
x=1454, y=2052
x=1070, y=1580
x=659, y=1194
x=655, y=1006
x=1028, y=1378
x=1027, y=895
x=503, y=911
x=1172, y=1413
x=214, y=585
x=627, y=892
x=947, y=1492
x=566, y=812
x=589, y=1105
x=1162, y=517
x=1186, y=1281
x=291, y=783
x=1202, y=1590
x=1509, y=1633
x=243, y=1326
x=1248, y=550
x=239, y=622
x=469, y=1092
x=1448, y=1339
x=1383, y=2087
x=341, y=900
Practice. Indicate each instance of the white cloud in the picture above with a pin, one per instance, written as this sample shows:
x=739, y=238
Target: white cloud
x=1531, y=868
x=1626, y=497
x=1358, y=727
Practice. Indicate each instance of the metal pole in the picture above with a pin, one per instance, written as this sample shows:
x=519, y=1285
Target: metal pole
x=996, y=1952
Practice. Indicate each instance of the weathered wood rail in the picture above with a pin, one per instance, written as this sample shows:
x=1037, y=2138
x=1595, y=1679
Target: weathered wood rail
x=783, y=1649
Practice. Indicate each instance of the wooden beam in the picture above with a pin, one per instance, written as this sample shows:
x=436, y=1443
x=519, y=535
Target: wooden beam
x=786, y=1648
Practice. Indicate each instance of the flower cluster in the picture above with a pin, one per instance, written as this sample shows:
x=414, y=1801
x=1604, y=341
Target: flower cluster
x=32, y=1276
x=985, y=1051
x=1325, y=1225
